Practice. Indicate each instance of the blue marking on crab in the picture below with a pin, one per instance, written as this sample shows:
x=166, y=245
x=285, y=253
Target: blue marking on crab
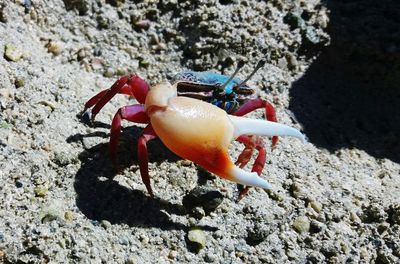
x=208, y=78
x=213, y=88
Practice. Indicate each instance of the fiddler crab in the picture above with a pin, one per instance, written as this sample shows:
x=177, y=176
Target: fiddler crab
x=197, y=115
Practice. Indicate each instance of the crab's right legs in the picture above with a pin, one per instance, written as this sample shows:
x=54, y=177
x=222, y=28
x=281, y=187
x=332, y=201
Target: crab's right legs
x=130, y=85
x=147, y=135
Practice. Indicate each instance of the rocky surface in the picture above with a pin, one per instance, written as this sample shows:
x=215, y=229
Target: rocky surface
x=332, y=70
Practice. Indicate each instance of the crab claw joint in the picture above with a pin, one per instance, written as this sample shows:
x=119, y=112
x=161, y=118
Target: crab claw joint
x=201, y=132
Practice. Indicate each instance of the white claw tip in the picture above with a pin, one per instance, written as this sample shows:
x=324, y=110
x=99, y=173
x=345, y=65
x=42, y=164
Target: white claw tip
x=249, y=178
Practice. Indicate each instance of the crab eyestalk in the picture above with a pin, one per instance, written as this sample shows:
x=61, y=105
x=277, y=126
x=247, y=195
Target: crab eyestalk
x=201, y=132
x=259, y=65
x=238, y=67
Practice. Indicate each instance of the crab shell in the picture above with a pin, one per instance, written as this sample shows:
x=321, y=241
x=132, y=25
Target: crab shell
x=201, y=132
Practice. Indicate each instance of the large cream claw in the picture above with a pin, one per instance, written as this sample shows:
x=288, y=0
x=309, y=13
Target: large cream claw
x=201, y=132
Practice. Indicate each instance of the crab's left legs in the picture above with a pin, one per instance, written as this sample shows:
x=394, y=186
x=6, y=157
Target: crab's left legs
x=148, y=134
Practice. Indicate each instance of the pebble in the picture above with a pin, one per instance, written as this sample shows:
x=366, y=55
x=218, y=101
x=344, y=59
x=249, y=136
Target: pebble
x=54, y=47
x=142, y=24
x=317, y=206
x=105, y=224
x=354, y=217
x=19, y=82
x=173, y=254
x=51, y=212
x=109, y=72
x=69, y=216
x=301, y=224
x=184, y=163
x=197, y=237
x=201, y=196
x=257, y=234
x=11, y=53
x=41, y=190
x=130, y=260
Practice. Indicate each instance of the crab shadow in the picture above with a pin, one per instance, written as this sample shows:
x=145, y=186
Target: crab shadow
x=99, y=197
x=350, y=96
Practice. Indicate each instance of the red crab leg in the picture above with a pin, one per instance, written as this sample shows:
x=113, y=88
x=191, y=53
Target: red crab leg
x=251, y=142
x=254, y=104
x=134, y=113
x=130, y=85
x=147, y=134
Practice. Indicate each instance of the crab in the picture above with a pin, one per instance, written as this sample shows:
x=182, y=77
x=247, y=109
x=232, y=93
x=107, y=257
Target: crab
x=191, y=117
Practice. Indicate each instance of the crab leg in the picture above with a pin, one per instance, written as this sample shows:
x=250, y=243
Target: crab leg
x=134, y=113
x=130, y=85
x=147, y=135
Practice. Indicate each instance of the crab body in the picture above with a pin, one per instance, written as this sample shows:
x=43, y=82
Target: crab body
x=197, y=130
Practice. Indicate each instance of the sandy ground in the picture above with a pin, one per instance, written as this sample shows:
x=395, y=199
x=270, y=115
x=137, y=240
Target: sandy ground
x=332, y=71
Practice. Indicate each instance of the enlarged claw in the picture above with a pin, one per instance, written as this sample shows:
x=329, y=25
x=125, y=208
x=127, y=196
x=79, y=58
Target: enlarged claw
x=201, y=132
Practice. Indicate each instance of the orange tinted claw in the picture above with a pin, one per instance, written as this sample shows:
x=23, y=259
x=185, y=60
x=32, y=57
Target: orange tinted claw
x=201, y=132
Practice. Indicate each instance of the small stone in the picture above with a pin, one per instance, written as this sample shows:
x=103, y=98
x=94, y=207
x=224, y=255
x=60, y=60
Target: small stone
x=144, y=239
x=18, y=184
x=301, y=224
x=11, y=53
x=105, y=224
x=19, y=82
x=209, y=257
x=198, y=212
x=54, y=47
x=292, y=254
x=364, y=254
x=81, y=5
x=173, y=254
x=374, y=213
x=317, y=206
x=201, y=196
x=69, y=216
x=184, y=163
x=63, y=158
x=197, y=237
x=354, y=218
x=316, y=227
x=257, y=234
x=123, y=241
x=130, y=260
x=110, y=72
x=121, y=71
x=394, y=213
x=144, y=63
x=51, y=212
x=142, y=24
x=116, y=3
x=274, y=195
x=41, y=190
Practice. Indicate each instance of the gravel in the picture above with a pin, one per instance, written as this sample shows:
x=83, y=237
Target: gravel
x=335, y=197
